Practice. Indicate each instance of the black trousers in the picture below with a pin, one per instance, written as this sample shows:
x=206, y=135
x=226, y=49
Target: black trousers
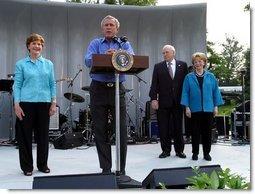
x=201, y=127
x=188, y=126
x=36, y=118
x=170, y=127
x=102, y=100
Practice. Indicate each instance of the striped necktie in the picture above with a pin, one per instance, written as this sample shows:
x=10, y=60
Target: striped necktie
x=169, y=66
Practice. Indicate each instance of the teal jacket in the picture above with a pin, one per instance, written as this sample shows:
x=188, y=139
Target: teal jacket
x=34, y=80
x=197, y=101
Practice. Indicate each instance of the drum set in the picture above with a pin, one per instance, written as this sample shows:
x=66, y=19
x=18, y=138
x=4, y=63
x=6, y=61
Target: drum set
x=65, y=121
x=84, y=123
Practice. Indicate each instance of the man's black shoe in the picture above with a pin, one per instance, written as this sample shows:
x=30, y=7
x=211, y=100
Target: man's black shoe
x=194, y=157
x=106, y=171
x=181, y=155
x=207, y=157
x=122, y=172
x=164, y=155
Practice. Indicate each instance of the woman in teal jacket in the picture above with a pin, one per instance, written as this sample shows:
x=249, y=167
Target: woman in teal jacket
x=201, y=97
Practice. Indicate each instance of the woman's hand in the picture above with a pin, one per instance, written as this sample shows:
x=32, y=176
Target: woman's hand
x=188, y=112
x=154, y=104
x=53, y=108
x=18, y=111
x=215, y=111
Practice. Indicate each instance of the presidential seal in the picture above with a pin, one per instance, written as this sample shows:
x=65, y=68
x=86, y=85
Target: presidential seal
x=122, y=60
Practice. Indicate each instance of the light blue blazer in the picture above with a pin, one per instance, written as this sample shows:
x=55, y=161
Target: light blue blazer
x=197, y=101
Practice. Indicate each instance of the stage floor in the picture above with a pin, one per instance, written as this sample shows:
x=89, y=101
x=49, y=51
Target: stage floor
x=141, y=159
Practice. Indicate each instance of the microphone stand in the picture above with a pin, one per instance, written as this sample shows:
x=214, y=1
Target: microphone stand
x=244, y=138
x=71, y=101
x=138, y=108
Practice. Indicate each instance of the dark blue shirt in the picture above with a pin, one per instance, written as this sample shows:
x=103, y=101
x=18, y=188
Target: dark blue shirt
x=100, y=46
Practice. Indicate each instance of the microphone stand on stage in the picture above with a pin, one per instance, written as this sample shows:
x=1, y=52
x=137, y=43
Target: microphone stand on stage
x=244, y=140
x=139, y=109
x=70, y=129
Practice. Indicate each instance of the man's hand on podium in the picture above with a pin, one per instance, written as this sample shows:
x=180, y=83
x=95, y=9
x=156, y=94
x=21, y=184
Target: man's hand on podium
x=110, y=51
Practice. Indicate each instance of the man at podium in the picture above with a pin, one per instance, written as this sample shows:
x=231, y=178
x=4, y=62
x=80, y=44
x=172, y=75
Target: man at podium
x=102, y=94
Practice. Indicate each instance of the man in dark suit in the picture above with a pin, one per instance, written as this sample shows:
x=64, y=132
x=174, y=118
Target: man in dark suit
x=165, y=94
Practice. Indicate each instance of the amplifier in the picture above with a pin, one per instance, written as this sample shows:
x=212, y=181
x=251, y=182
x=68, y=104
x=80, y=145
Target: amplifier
x=54, y=120
x=238, y=131
x=153, y=129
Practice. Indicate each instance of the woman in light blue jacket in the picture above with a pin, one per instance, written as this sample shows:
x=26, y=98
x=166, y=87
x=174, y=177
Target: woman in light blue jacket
x=201, y=97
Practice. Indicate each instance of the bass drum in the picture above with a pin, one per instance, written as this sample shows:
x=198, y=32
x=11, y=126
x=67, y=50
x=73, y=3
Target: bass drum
x=62, y=119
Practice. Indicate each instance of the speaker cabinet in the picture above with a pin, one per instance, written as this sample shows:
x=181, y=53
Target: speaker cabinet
x=81, y=181
x=222, y=125
x=69, y=140
x=153, y=129
x=173, y=178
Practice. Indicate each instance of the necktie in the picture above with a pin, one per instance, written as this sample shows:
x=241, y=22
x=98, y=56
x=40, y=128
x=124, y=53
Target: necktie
x=170, y=70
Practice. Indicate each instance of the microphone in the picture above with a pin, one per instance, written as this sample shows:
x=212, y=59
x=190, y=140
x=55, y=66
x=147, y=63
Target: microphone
x=123, y=39
x=120, y=39
x=115, y=39
x=79, y=67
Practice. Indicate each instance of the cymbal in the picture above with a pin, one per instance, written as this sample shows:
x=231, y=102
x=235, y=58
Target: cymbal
x=10, y=75
x=74, y=97
x=128, y=90
x=85, y=88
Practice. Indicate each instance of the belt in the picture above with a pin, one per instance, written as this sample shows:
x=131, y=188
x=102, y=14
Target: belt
x=105, y=84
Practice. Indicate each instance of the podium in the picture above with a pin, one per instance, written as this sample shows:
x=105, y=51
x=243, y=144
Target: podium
x=102, y=63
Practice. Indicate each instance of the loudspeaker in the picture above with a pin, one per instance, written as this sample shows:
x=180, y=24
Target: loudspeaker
x=222, y=125
x=69, y=140
x=237, y=130
x=174, y=178
x=153, y=129
x=81, y=181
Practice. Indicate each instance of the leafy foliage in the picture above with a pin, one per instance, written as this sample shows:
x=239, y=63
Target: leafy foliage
x=162, y=185
x=247, y=78
x=131, y=2
x=217, y=180
x=226, y=64
x=247, y=7
x=84, y=1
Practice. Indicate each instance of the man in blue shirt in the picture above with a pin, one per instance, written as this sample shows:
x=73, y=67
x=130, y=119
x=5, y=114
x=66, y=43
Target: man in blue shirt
x=102, y=94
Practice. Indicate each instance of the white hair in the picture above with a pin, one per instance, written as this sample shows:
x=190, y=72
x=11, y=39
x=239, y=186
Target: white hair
x=109, y=17
x=169, y=47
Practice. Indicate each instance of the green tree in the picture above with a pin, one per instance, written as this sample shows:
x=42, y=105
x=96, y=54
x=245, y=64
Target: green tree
x=247, y=54
x=83, y=1
x=213, y=56
x=226, y=64
x=131, y=2
x=111, y=2
x=247, y=7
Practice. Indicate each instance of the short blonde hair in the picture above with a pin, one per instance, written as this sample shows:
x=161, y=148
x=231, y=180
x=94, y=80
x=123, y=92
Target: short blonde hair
x=34, y=37
x=199, y=55
x=109, y=17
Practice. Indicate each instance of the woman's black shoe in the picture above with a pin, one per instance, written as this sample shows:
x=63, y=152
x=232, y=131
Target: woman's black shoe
x=207, y=157
x=44, y=170
x=194, y=157
x=27, y=173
